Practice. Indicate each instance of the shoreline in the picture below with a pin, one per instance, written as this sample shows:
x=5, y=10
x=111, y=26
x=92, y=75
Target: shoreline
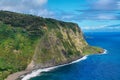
x=27, y=74
x=37, y=72
x=16, y=75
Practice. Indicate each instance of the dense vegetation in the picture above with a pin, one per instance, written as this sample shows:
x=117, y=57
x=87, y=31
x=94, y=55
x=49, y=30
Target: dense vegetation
x=16, y=50
x=26, y=37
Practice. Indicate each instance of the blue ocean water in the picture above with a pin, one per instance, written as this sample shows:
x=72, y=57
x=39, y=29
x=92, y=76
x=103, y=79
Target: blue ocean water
x=95, y=67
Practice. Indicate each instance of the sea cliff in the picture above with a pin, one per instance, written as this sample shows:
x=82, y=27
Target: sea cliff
x=30, y=42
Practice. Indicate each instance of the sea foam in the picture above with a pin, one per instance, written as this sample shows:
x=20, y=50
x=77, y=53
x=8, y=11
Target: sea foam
x=39, y=71
x=105, y=51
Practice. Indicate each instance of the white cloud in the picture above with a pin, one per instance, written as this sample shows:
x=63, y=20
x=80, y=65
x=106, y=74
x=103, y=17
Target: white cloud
x=105, y=4
x=22, y=4
x=36, y=7
x=106, y=17
x=93, y=27
x=34, y=2
x=105, y=1
x=46, y=13
x=118, y=4
x=64, y=17
x=101, y=28
x=117, y=28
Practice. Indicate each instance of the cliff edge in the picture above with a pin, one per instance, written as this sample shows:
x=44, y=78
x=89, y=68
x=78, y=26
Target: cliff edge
x=43, y=42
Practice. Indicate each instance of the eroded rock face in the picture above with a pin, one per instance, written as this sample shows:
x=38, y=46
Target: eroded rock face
x=59, y=46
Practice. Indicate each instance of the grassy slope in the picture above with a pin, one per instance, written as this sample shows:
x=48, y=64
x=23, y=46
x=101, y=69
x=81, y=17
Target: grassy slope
x=23, y=35
x=16, y=50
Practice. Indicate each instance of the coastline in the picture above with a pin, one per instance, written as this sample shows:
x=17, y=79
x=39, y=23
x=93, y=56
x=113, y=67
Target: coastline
x=30, y=73
x=37, y=72
x=16, y=75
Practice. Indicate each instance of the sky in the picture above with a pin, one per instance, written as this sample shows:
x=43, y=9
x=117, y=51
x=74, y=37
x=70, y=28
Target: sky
x=90, y=15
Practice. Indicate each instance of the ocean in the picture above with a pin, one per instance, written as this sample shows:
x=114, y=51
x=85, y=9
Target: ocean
x=93, y=67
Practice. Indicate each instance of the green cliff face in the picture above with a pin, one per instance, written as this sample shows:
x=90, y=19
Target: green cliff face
x=43, y=41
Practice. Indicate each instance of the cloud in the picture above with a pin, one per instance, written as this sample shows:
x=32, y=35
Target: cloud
x=104, y=4
x=96, y=9
x=36, y=7
x=21, y=4
x=102, y=28
x=46, y=13
x=114, y=26
x=106, y=17
x=67, y=17
x=101, y=10
x=33, y=3
x=92, y=27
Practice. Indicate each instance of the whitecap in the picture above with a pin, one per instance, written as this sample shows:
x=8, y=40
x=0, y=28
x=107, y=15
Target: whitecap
x=105, y=51
x=38, y=72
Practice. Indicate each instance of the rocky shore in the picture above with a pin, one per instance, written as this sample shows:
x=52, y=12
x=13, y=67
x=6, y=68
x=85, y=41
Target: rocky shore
x=30, y=68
